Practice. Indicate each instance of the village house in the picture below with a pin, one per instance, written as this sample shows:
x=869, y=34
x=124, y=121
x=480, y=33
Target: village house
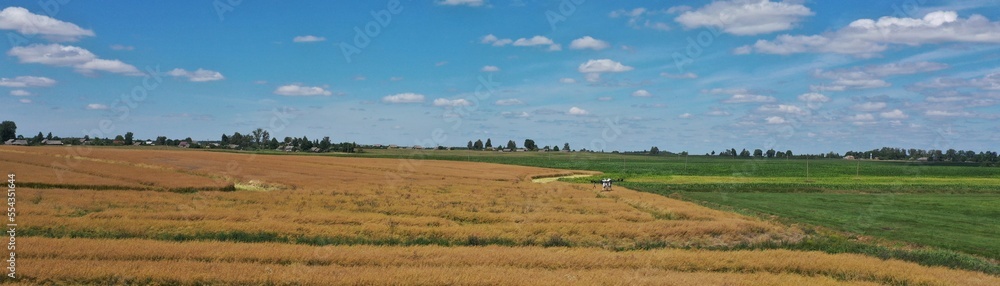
x=20, y=142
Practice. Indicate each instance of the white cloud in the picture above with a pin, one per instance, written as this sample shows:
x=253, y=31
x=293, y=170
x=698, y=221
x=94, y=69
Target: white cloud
x=396, y=78
x=359, y=78
x=775, y=120
x=813, y=97
x=870, y=106
x=27, y=81
x=871, y=76
x=122, y=47
x=945, y=113
x=199, y=75
x=603, y=66
x=70, y=56
x=537, y=41
x=299, y=90
x=604, y=98
x=783, y=108
x=493, y=40
x=408, y=97
x=23, y=21
x=567, y=80
x=685, y=115
x=507, y=102
x=894, y=114
x=867, y=37
x=441, y=63
x=577, y=111
x=861, y=117
x=490, y=69
x=989, y=81
x=471, y=3
x=19, y=92
x=592, y=77
x=746, y=17
x=308, y=39
x=443, y=102
x=588, y=42
x=718, y=112
x=639, y=18
x=97, y=106
x=749, y=98
x=679, y=76
x=641, y=93
x=509, y=114
x=24, y=100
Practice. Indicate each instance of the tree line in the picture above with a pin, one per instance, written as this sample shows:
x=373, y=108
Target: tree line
x=529, y=145
x=260, y=139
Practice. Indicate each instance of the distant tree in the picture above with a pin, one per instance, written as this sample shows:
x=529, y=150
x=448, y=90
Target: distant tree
x=530, y=144
x=733, y=152
x=489, y=143
x=237, y=139
x=119, y=140
x=161, y=140
x=324, y=145
x=257, y=135
x=8, y=130
x=273, y=144
x=770, y=153
x=788, y=153
x=555, y=148
x=38, y=139
x=128, y=138
x=511, y=145
x=305, y=144
x=566, y=147
x=478, y=145
x=654, y=150
x=225, y=139
x=745, y=153
x=470, y=145
x=758, y=153
x=713, y=153
x=49, y=137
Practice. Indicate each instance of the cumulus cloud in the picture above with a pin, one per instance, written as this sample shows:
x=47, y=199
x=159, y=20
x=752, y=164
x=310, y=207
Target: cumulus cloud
x=308, y=39
x=588, y=42
x=19, y=92
x=603, y=66
x=685, y=115
x=23, y=21
x=894, y=114
x=642, y=18
x=870, y=106
x=867, y=37
x=509, y=114
x=490, y=69
x=443, y=102
x=122, y=47
x=471, y=3
x=689, y=75
x=775, y=120
x=749, y=98
x=82, y=60
x=783, y=108
x=567, y=80
x=300, y=90
x=510, y=101
x=813, y=97
x=408, y=97
x=871, y=76
x=641, y=93
x=96, y=106
x=717, y=112
x=577, y=111
x=746, y=17
x=27, y=81
x=199, y=75
x=861, y=117
x=522, y=42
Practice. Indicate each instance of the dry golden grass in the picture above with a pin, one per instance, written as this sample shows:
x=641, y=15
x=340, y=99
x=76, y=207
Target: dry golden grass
x=388, y=220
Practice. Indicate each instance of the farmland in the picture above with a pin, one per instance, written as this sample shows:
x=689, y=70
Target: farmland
x=123, y=216
x=950, y=206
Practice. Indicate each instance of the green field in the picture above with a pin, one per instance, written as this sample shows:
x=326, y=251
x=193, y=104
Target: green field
x=951, y=206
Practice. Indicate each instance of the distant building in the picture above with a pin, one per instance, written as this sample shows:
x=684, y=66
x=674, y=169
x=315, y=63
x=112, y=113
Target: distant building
x=149, y=142
x=184, y=144
x=848, y=157
x=922, y=159
x=20, y=142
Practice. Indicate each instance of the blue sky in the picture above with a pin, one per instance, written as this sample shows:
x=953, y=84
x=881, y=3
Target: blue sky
x=698, y=76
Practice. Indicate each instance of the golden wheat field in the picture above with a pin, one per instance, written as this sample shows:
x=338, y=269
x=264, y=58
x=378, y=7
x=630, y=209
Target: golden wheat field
x=133, y=216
